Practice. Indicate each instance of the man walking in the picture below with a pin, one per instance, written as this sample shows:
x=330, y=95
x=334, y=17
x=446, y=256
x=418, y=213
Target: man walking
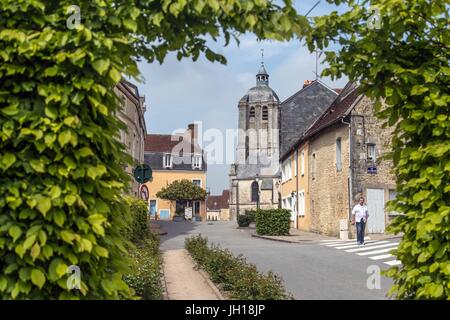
x=360, y=215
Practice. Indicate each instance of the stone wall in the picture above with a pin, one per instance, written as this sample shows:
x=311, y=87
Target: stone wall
x=328, y=187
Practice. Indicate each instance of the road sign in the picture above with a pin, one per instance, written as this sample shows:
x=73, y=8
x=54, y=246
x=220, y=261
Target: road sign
x=144, y=192
x=372, y=170
x=142, y=173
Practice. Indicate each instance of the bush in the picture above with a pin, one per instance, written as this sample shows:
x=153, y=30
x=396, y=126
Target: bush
x=138, y=228
x=273, y=222
x=235, y=275
x=145, y=278
x=251, y=215
x=243, y=220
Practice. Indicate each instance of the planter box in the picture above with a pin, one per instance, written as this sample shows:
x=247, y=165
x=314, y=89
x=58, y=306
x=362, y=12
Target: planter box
x=178, y=218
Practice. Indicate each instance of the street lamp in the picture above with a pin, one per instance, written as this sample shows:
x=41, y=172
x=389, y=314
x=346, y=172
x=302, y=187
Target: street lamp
x=257, y=199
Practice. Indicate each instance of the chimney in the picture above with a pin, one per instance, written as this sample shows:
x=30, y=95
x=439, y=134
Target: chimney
x=193, y=128
x=306, y=83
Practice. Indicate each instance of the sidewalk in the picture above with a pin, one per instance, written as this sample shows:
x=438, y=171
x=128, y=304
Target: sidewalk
x=183, y=282
x=304, y=237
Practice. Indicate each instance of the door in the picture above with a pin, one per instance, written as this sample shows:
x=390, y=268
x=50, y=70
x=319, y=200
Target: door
x=152, y=209
x=164, y=214
x=375, y=206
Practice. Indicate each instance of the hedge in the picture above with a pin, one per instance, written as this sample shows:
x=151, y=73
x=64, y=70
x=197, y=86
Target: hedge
x=273, y=222
x=239, y=279
x=143, y=249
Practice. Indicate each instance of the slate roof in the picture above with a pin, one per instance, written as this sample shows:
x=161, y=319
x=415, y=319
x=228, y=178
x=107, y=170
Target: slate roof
x=337, y=110
x=157, y=145
x=218, y=202
x=299, y=111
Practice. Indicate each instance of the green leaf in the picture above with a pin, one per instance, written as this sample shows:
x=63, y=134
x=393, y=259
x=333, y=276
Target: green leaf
x=29, y=241
x=35, y=251
x=115, y=75
x=44, y=205
x=64, y=137
x=57, y=269
x=102, y=252
x=101, y=65
x=67, y=236
x=3, y=283
x=15, y=232
x=7, y=161
x=70, y=199
x=38, y=278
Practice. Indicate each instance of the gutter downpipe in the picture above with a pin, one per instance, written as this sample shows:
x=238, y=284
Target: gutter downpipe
x=350, y=191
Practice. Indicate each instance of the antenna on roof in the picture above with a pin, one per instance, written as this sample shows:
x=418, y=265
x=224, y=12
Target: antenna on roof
x=318, y=54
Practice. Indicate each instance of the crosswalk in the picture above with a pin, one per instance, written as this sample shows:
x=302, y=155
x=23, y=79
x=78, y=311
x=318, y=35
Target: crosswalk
x=377, y=250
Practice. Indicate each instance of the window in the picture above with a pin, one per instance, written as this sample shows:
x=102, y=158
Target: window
x=371, y=152
x=301, y=203
x=255, y=191
x=252, y=112
x=196, y=208
x=338, y=154
x=197, y=162
x=286, y=170
x=313, y=166
x=167, y=161
x=265, y=113
x=197, y=182
x=302, y=163
x=295, y=162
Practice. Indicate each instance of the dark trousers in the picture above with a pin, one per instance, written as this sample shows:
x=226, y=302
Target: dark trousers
x=360, y=226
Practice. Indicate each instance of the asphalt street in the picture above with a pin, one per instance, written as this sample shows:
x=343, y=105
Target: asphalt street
x=310, y=271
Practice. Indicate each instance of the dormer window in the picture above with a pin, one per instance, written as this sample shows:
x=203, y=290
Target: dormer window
x=265, y=113
x=197, y=162
x=167, y=160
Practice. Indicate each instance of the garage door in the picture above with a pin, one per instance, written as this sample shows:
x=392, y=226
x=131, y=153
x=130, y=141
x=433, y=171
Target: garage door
x=375, y=206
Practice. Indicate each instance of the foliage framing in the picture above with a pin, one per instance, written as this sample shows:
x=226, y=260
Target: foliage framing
x=404, y=62
x=60, y=177
x=182, y=190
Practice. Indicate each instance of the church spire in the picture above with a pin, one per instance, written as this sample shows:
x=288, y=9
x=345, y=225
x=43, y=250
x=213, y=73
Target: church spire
x=262, y=78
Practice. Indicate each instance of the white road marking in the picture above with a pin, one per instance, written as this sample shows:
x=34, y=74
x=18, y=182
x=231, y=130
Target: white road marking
x=375, y=252
x=368, y=243
x=365, y=248
x=381, y=257
x=393, y=262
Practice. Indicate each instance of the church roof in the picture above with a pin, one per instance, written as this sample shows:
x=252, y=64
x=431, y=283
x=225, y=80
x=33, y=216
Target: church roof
x=260, y=93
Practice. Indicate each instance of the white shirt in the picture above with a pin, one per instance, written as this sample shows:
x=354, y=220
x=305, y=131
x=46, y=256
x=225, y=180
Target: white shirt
x=360, y=212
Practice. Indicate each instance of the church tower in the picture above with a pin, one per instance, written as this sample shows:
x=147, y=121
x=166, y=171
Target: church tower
x=254, y=175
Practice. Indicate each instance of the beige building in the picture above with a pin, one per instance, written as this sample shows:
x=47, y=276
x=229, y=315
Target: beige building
x=132, y=114
x=217, y=207
x=345, y=146
x=175, y=157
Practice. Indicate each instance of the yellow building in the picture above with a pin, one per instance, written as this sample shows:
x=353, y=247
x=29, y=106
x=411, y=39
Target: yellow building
x=174, y=157
x=294, y=188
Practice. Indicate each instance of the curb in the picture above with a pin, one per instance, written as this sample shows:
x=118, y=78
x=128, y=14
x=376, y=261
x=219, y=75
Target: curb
x=284, y=240
x=165, y=292
x=211, y=284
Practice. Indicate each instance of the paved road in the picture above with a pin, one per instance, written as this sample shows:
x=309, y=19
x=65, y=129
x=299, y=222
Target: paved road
x=310, y=271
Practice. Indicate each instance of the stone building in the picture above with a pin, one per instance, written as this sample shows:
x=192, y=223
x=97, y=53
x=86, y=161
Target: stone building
x=345, y=145
x=297, y=113
x=217, y=207
x=175, y=157
x=254, y=175
x=132, y=114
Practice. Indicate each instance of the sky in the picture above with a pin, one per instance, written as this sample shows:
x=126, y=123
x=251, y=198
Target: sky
x=181, y=92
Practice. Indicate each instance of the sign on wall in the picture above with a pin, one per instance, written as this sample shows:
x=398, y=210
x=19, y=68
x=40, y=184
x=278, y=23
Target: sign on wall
x=142, y=173
x=144, y=192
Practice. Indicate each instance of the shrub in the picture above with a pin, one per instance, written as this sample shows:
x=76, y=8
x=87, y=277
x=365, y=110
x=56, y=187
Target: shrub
x=145, y=278
x=273, y=222
x=234, y=274
x=138, y=227
x=251, y=214
x=243, y=220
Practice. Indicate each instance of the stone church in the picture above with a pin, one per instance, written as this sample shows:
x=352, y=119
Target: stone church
x=254, y=176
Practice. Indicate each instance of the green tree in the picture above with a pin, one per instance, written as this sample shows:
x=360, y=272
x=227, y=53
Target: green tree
x=60, y=173
x=399, y=52
x=182, y=190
